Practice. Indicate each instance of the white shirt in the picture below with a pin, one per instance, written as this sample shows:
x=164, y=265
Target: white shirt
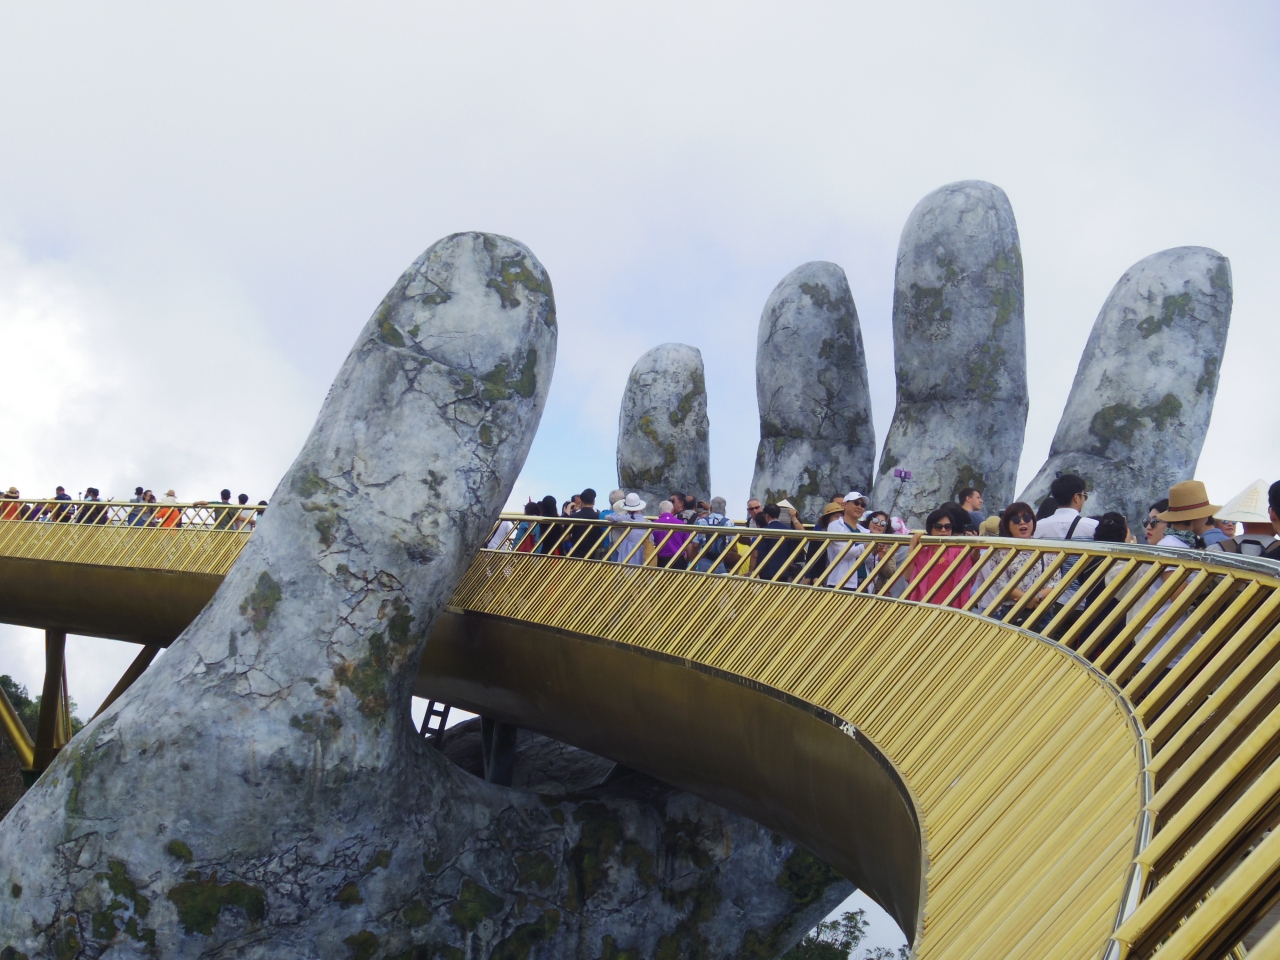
x=850, y=560
x=1056, y=527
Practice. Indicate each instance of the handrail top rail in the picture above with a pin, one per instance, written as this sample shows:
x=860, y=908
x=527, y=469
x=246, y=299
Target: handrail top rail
x=197, y=505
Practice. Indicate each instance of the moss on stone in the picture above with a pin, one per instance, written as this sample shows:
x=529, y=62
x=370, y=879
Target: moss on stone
x=416, y=914
x=179, y=851
x=15, y=891
x=261, y=603
x=367, y=678
x=500, y=384
x=200, y=900
x=1209, y=377
x=523, y=938
x=609, y=950
x=363, y=945
x=535, y=870
x=13, y=953
x=1119, y=422
x=349, y=896
x=474, y=905
x=1172, y=307
x=390, y=334
x=687, y=941
x=379, y=861
x=310, y=484
x=684, y=406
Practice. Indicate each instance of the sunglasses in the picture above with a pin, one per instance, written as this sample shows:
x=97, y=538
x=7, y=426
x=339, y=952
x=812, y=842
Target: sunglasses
x=942, y=526
x=876, y=523
x=1149, y=523
x=751, y=509
x=1023, y=518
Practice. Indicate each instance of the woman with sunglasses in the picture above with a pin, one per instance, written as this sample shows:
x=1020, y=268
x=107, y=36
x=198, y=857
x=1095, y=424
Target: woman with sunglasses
x=1018, y=522
x=939, y=524
x=1153, y=526
x=878, y=525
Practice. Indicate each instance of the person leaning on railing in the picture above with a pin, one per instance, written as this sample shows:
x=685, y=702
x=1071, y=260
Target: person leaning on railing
x=1018, y=522
x=938, y=524
x=10, y=511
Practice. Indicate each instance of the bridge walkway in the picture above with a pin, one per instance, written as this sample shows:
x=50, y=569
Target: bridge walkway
x=1091, y=777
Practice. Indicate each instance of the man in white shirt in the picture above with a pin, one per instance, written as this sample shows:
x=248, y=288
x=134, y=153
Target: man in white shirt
x=1066, y=522
x=846, y=523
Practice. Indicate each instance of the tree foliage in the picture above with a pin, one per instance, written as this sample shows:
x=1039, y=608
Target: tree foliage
x=837, y=940
x=28, y=708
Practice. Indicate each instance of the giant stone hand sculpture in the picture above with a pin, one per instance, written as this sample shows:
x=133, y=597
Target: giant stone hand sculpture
x=1139, y=408
x=959, y=350
x=261, y=791
x=816, y=435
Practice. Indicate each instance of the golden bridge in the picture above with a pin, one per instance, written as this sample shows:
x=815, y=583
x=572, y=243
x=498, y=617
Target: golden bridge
x=1087, y=774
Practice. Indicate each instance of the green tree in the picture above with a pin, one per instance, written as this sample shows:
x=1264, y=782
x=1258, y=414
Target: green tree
x=28, y=709
x=837, y=939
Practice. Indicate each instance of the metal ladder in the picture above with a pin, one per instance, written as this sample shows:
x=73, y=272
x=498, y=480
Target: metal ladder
x=434, y=732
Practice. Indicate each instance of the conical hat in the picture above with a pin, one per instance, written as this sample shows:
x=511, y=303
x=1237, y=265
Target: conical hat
x=1248, y=506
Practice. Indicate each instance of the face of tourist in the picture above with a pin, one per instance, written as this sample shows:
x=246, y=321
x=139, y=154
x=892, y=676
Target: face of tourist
x=1023, y=525
x=753, y=509
x=1154, y=527
x=877, y=525
x=941, y=529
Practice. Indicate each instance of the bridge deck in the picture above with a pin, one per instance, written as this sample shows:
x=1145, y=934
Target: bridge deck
x=1001, y=792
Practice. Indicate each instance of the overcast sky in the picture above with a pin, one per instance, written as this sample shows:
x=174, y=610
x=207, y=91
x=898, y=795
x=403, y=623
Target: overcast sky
x=199, y=207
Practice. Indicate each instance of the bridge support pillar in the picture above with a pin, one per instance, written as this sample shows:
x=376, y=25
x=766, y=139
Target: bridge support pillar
x=51, y=706
x=498, y=741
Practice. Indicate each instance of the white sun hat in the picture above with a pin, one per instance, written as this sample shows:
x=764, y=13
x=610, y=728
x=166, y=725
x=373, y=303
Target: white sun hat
x=633, y=503
x=1247, y=506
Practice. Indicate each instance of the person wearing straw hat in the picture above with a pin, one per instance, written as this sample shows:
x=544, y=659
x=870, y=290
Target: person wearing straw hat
x=1188, y=515
x=631, y=510
x=1248, y=507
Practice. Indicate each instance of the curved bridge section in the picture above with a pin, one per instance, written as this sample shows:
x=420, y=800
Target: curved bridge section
x=984, y=785
x=1019, y=748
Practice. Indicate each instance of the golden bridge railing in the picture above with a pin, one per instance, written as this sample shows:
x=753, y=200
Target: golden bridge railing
x=1190, y=640
x=187, y=537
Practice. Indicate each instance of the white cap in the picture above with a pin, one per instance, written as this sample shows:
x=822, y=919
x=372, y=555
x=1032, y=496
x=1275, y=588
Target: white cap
x=1247, y=506
x=852, y=496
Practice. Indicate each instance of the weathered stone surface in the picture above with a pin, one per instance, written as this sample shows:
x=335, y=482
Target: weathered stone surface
x=261, y=791
x=816, y=435
x=1137, y=414
x=662, y=427
x=960, y=352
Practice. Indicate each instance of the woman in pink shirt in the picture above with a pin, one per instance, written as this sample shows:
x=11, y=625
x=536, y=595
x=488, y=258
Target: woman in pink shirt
x=939, y=524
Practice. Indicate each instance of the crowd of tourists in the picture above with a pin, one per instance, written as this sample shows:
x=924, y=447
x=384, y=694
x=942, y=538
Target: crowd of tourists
x=1186, y=519
x=144, y=509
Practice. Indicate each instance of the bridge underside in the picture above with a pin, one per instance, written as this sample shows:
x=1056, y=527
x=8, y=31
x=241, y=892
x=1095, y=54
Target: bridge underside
x=788, y=765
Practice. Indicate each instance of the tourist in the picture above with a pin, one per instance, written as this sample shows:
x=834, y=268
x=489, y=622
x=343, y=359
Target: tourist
x=135, y=518
x=961, y=521
x=878, y=524
x=775, y=556
x=92, y=514
x=1248, y=508
x=1153, y=526
x=971, y=502
x=863, y=504
x=140, y=516
x=1069, y=493
x=1017, y=522
x=587, y=539
x=223, y=515
x=169, y=515
x=10, y=511
x=670, y=543
x=755, y=514
x=846, y=568
x=246, y=516
x=1273, y=507
x=940, y=523
x=61, y=514
x=527, y=531
x=630, y=510
x=817, y=551
x=1187, y=515
x=714, y=557
x=1046, y=509
x=614, y=497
